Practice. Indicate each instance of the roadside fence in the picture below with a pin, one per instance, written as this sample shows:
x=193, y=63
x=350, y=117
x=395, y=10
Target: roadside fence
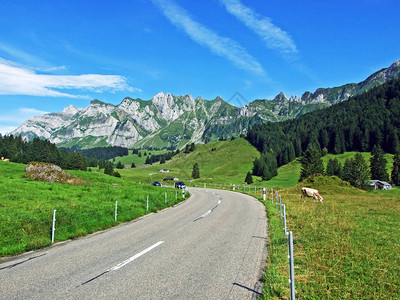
x=28, y=232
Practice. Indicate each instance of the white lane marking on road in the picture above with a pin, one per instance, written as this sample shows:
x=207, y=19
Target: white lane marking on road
x=129, y=260
x=124, y=263
x=208, y=212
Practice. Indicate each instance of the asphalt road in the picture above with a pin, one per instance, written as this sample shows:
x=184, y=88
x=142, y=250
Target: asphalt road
x=212, y=246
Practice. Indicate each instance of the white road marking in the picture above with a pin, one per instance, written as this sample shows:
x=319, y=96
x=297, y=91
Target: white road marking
x=208, y=212
x=135, y=256
x=124, y=263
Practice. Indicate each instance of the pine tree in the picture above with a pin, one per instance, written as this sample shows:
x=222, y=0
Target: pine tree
x=196, y=171
x=119, y=165
x=109, y=169
x=361, y=172
x=396, y=168
x=348, y=171
x=333, y=168
x=249, y=178
x=311, y=163
x=378, y=165
x=133, y=165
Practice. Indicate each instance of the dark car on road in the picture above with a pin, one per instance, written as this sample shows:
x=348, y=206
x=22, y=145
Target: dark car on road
x=180, y=185
x=156, y=183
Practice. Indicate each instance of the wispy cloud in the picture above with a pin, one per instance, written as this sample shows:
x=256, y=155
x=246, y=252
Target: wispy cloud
x=272, y=35
x=17, y=80
x=21, y=115
x=219, y=45
x=12, y=119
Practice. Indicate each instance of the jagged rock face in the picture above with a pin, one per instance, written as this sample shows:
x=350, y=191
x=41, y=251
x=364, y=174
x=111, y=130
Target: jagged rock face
x=173, y=121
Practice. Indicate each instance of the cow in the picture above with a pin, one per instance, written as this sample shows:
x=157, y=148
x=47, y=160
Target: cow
x=307, y=192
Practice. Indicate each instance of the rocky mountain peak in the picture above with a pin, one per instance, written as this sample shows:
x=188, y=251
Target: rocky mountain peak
x=70, y=110
x=281, y=97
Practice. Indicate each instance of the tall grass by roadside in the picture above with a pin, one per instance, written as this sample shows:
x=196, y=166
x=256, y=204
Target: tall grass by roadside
x=26, y=207
x=345, y=248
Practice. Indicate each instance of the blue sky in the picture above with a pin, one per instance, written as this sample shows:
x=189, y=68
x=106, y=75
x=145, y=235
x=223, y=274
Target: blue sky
x=57, y=53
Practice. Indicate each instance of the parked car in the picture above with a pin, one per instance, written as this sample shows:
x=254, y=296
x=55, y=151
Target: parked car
x=156, y=183
x=180, y=185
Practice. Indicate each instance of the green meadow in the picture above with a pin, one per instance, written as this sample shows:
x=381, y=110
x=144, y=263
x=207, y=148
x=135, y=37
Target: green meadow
x=219, y=162
x=127, y=160
x=26, y=207
x=344, y=248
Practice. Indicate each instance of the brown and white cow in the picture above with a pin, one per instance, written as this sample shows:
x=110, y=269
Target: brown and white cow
x=308, y=192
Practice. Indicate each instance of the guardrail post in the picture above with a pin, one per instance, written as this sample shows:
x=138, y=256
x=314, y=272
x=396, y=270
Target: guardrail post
x=280, y=206
x=116, y=208
x=264, y=194
x=233, y=187
x=183, y=193
x=54, y=226
x=147, y=206
x=284, y=219
x=165, y=197
x=272, y=195
x=176, y=195
x=291, y=266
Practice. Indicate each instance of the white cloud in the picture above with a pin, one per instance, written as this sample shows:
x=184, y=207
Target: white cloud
x=219, y=45
x=14, y=118
x=272, y=35
x=4, y=130
x=21, y=115
x=17, y=80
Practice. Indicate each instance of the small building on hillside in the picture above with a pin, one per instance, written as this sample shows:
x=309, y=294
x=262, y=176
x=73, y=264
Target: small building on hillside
x=164, y=171
x=380, y=185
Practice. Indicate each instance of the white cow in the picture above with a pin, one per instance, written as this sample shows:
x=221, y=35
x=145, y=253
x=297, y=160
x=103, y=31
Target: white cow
x=307, y=192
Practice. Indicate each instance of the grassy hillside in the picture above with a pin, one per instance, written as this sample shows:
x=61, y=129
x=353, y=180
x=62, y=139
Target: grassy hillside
x=345, y=248
x=127, y=160
x=219, y=162
x=26, y=207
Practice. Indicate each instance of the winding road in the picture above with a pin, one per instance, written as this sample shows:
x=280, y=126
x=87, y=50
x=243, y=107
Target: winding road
x=212, y=246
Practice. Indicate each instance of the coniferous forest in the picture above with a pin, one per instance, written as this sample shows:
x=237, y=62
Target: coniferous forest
x=368, y=120
x=20, y=151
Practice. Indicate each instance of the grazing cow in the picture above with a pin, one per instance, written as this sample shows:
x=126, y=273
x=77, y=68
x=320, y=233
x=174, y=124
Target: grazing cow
x=307, y=192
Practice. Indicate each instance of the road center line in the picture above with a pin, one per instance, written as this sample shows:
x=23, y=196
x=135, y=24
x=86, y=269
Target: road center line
x=129, y=260
x=124, y=263
x=208, y=212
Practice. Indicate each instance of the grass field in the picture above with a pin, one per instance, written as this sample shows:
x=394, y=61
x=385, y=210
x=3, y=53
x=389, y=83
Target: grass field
x=26, y=207
x=345, y=248
x=127, y=160
x=219, y=162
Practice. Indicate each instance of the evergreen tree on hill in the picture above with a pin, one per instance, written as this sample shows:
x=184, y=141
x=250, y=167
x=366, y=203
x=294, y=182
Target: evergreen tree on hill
x=196, y=171
x=361, y=172
x=378, y=165
x=333, y=168
x=396, y=168
x=249, y=178
x=356, y=171
x=311, y=163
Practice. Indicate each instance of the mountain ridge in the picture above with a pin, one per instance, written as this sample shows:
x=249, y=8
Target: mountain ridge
x=169, y=121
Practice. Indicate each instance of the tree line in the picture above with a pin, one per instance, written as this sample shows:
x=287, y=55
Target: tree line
x=20, y=151
x=359, y=124
x=100, y=153
x=355, y=170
